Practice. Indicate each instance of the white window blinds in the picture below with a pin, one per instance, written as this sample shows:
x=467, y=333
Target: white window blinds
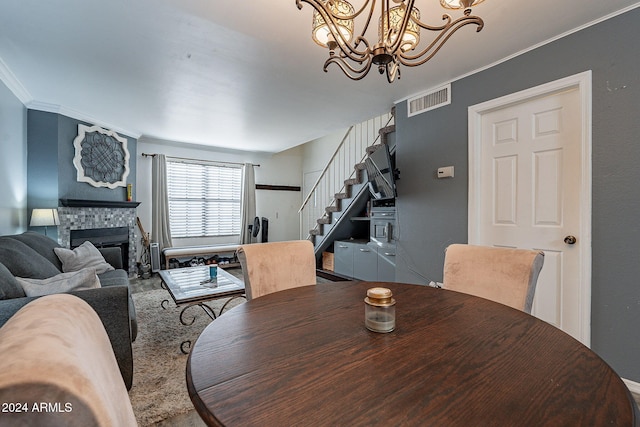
x=204, y=199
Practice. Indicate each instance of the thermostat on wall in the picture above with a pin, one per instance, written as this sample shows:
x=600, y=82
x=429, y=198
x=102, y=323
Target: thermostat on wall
x=445, y=172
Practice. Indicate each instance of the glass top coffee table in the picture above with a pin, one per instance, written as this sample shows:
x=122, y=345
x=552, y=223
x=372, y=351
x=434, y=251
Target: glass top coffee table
x=192, y=286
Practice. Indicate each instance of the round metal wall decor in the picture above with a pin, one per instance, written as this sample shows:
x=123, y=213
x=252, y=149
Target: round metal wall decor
x=101, y=158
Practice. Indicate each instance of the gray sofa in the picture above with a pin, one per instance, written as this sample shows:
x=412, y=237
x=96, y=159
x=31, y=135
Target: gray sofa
x=31, y=255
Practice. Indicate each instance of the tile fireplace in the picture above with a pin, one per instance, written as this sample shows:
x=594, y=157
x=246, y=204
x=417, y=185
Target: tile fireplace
x=103, y=223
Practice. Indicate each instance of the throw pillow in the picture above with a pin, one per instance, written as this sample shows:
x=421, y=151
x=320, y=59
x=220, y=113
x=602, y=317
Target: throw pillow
x=22, y=261
x=61, y=283
x=41, y=244
x=84, y=256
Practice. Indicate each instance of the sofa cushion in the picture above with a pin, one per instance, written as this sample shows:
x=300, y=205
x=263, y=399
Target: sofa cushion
x=41, y=244
x=61, y=283
x=9, y=286
x=113, y=255
x=114, y=278
x=22, y=261
x=84, y=256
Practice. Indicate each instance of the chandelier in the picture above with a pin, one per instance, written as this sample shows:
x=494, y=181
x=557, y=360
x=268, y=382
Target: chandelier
x=398, y=38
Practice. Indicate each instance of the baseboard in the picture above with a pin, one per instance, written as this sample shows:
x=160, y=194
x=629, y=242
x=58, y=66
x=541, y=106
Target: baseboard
x=330, y=275
x=633, y=386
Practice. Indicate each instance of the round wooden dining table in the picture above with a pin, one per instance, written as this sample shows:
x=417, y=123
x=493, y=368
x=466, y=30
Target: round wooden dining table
x=303, y=357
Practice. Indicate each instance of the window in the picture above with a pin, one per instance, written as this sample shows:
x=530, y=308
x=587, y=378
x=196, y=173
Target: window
x=204, y=199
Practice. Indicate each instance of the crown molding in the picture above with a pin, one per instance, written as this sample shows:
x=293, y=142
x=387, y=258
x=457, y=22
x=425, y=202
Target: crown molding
x=14, y=85
x=68, y=112
x=43, y=106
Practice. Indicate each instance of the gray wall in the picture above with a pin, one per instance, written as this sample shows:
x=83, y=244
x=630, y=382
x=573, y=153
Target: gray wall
x=433, y=213
x=52, y=175
x=42, y=179
x=13, y=163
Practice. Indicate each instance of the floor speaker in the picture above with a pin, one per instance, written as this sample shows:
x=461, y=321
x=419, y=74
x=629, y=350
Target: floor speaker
x=154, y=250
x=265, y=230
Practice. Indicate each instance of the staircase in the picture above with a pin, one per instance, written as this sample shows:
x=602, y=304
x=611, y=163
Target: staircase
x=341, y=191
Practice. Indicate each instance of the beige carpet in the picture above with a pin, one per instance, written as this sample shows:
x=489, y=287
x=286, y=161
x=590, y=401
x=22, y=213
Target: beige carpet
x=159, y=389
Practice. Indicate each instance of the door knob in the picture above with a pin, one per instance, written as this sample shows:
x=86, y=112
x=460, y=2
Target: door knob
x=570, y=240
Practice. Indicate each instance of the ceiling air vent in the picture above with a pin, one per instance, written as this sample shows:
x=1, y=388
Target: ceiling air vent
x=429, y=100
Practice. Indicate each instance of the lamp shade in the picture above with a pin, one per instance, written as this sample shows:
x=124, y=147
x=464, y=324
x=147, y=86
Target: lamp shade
x=459, y=4
x=44, y=217
x=321, y=33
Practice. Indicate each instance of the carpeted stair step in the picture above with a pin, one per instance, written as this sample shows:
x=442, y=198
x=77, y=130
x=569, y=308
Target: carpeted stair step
x=351, y=181
x=344, y=195
x=324, y=220
x=332, y=209
x=316, y=231
x=384, y=133
x=373, y=148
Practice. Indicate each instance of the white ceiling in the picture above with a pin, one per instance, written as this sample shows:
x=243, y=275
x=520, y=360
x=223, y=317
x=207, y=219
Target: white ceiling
x=236, y=74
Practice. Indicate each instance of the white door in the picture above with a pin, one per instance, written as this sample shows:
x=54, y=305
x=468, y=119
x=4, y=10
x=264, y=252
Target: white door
x=531, y=194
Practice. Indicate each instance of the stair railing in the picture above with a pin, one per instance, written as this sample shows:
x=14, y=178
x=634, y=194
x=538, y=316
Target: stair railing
x=340, y=167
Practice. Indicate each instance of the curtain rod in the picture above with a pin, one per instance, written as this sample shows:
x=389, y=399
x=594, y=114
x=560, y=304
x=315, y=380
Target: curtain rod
x=197, y=160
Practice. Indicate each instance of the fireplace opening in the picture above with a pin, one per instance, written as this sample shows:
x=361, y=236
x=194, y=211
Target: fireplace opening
x=104, y=238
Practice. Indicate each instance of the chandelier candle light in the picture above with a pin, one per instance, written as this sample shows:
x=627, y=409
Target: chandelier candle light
x=398, y=40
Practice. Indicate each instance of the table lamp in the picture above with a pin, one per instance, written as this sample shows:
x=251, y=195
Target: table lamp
x=44, y=218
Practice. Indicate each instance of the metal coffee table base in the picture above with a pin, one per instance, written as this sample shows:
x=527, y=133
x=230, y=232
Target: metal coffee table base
x=197, y=286
x=185, y=346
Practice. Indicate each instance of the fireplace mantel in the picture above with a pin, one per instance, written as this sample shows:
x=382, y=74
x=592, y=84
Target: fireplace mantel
x=81, y=203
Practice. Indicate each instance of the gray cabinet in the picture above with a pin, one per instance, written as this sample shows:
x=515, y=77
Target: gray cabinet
x=343, y=258
x=386, y=263
x=364, y=261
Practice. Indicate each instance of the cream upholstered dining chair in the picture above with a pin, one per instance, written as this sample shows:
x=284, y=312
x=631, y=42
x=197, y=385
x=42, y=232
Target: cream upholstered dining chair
x=276, y=266
x=503, y=275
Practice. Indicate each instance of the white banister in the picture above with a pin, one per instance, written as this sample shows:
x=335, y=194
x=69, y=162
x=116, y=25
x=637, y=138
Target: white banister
x=324, y=171
x=341, y=166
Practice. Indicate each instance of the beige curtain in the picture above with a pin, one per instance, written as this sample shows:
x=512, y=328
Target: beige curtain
x=160, y=229
x=248, y=207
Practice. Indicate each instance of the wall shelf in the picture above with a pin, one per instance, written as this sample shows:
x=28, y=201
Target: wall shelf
x=82, y=203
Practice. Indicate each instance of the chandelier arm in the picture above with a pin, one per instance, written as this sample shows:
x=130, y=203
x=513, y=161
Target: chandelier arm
x=350, y=71
x=445, y=17
x=438, y=42
x=366, y=25
x=359, y=56
x=393, y=71
x=358, y=12
x=352, y=52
